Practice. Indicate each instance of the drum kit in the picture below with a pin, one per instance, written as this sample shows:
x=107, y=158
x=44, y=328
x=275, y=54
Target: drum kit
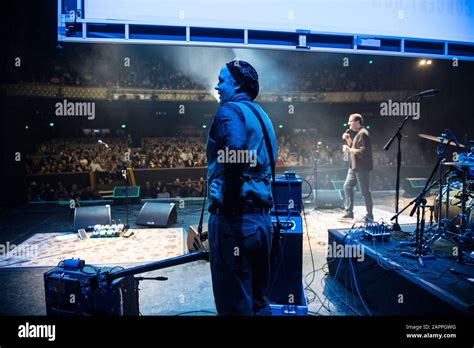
x=453, y=206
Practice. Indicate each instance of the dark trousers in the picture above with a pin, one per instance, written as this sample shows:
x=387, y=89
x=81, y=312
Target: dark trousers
x=362, y=178
x=239, y=252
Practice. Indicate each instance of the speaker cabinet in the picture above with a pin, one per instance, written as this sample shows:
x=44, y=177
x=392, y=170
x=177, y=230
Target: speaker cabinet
x=286, y=282
x=328, y=199
x=287, y=195
x=86, y=217
x=157, y=214
x=413, y=186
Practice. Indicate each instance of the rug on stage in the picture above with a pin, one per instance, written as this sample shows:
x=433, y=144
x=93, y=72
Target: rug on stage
x=145, y=245
x=321, y=220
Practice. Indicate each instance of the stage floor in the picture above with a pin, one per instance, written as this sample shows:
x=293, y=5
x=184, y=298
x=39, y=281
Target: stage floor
x=188, y=289
x=144, y=245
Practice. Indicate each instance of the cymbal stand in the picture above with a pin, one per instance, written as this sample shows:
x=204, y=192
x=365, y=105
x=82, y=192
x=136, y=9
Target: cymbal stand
x=420, y=252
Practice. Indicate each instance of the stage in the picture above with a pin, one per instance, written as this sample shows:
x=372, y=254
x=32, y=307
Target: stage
x=188, y=290
x=391, y=284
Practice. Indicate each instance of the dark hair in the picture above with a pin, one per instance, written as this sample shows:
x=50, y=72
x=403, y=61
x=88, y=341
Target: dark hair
x=358, y=117
x=246, y=75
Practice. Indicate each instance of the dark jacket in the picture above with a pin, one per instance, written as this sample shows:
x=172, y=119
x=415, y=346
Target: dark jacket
x=362, y=158
x=235, y=127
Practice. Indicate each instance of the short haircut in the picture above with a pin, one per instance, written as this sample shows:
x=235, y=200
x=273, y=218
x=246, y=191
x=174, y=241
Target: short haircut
x=358, y=117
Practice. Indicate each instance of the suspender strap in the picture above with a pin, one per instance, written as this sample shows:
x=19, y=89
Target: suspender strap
x=202, y=236
x=276, y=237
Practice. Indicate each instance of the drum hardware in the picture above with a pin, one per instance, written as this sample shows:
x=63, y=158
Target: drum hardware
x=419, y=207
x=465, y=225
x=456, y=226
x=419, y=253
x=463, y=164
x=431, y=208
x=422, y=250
x=451, y=208
x=440, y=140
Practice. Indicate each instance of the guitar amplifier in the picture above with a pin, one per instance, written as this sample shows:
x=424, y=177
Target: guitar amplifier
x=286, y=280
x=288, y=193
x=70, y=291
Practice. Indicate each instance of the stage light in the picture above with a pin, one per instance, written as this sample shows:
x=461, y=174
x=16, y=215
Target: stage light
x=344, y=125
x=204, y=126
x=51, y=124
x=124, y=125
x=371, y=61
x=280, y=126
x=423, y=62
x=429, y=62
x=27, y=127
x=368, y=127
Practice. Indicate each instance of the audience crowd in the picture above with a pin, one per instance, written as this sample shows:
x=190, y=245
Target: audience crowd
x=107, y=162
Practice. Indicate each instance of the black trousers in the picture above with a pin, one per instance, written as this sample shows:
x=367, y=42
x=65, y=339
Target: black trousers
x=361, y=177
x=239, y=252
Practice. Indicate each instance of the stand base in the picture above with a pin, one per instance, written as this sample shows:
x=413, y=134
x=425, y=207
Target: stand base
x=412, y=243
x=417, y=256
x=396, y=227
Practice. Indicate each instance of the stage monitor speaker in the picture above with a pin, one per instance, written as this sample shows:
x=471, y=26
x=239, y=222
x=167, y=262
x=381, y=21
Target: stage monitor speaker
x=286, y=280
x=328, y=199
x=338, y=184
x=413, y=186
x=86, y=217
x=155, y=214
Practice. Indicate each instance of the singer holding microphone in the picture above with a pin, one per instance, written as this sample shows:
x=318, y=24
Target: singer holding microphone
x=359, y=149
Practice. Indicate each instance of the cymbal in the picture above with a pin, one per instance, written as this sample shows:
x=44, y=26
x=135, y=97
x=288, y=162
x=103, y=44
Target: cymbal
x=459, y=164
x=438, y=139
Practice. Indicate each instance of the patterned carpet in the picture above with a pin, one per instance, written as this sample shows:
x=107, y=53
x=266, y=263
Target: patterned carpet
x=319, y=221
x=145, y=245
x=148, y=245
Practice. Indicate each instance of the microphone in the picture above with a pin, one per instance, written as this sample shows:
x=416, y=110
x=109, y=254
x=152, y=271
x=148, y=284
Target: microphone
x=101, y=142
x=428, y=93
x=348, y=131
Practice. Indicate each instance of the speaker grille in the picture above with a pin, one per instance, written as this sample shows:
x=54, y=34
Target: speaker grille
x=157, y=214
x=87, y=217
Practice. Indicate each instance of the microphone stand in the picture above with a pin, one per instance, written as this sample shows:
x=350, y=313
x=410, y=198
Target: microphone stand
x=125, y=176
x=316, y=162
x=126, y=195
x=398, y=135
x=127, y=201
x=416, y=199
